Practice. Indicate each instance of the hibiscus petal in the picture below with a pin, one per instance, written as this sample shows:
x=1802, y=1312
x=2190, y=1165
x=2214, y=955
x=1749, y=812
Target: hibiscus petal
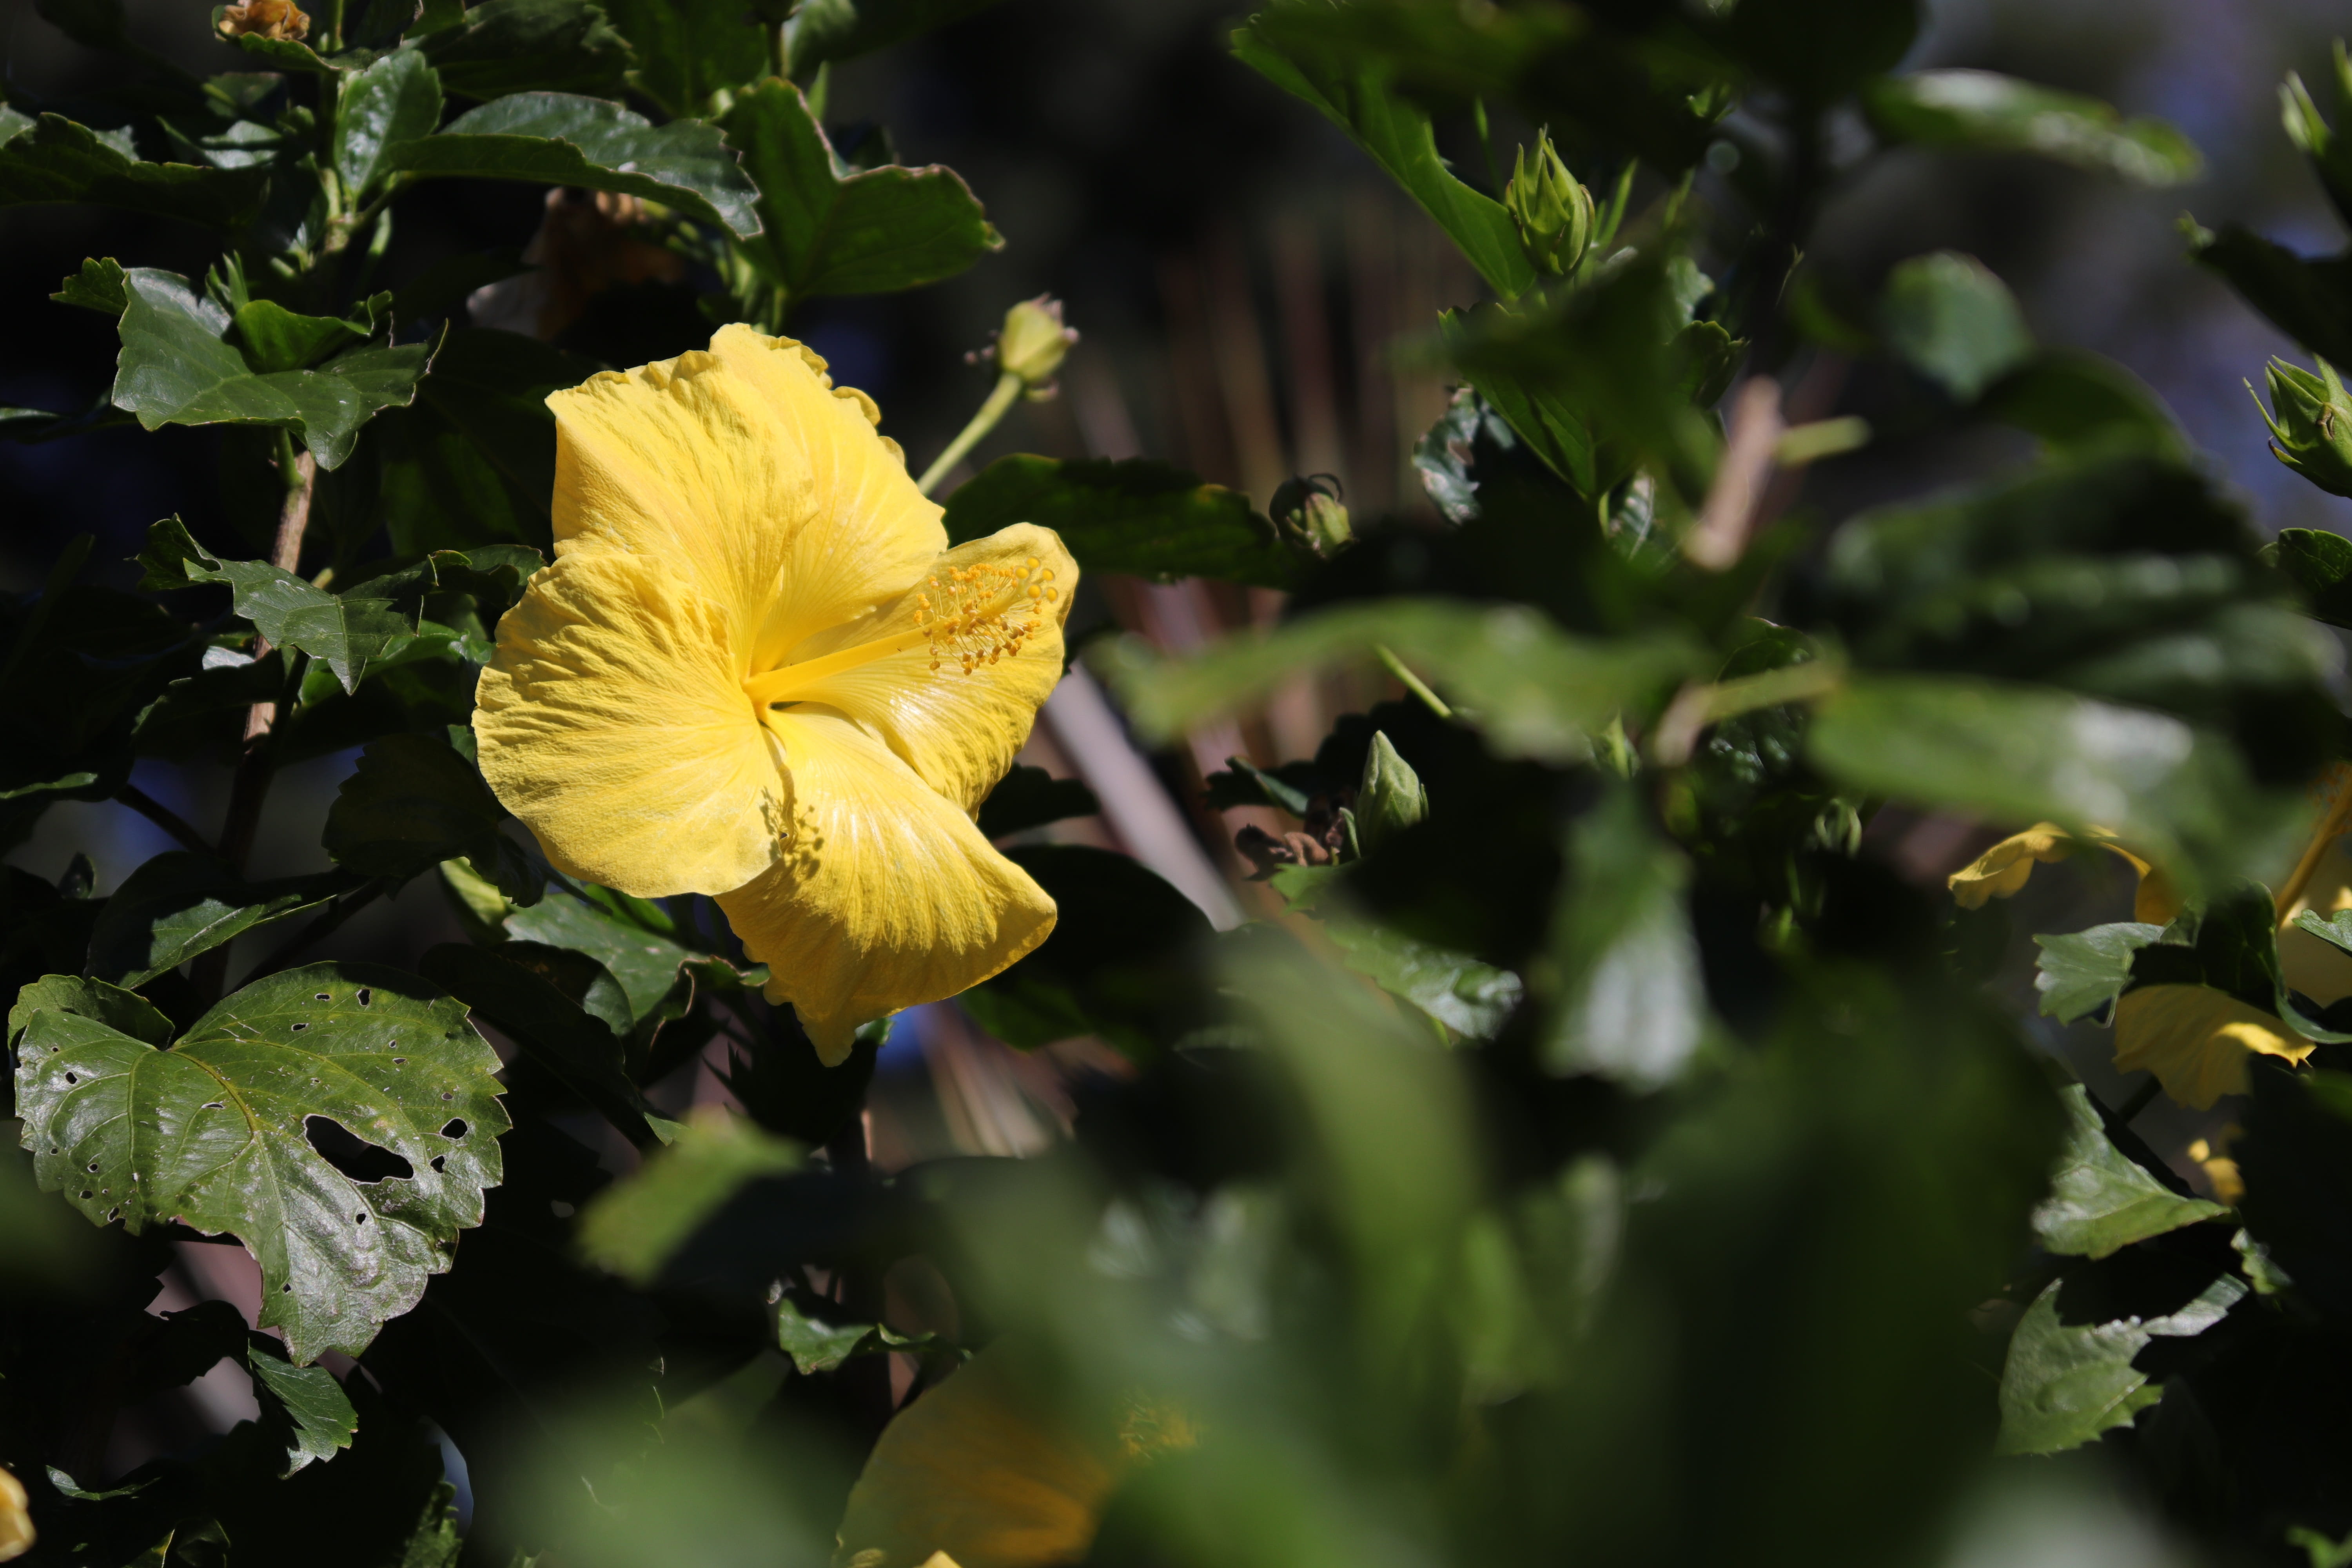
x=612, y=721
x=766, y=487
x=2196, y=1039
x=885, y=895
x=960, y=729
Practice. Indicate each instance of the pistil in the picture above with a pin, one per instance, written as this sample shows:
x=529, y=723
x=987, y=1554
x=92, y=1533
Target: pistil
x=969, y=615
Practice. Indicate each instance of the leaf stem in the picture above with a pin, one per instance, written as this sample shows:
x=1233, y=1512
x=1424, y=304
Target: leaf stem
x=1007, y=390
x=163, y=816
x=1410, y=681
x=254, y=766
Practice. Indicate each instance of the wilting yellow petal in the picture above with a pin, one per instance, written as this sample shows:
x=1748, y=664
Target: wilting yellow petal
x=971, y=1470
x=2000, y=871
x=958, y=702
x=2196, y=1039
x=16, y=1524
x=612, y=721
x=766, y=488
x=885, y=895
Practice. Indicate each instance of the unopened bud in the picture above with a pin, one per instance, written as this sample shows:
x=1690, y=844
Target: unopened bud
x=2310, y=420
x=1555, y=215
x=281, y=20
x=1391, y=798
x=1308, y=513
x=1032, y=343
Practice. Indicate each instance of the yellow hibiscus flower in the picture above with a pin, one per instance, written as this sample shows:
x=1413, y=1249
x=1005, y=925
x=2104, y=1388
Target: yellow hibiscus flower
x=16, y=1524
x=2198, y=1041
x=973, y=1474
x=756, y=670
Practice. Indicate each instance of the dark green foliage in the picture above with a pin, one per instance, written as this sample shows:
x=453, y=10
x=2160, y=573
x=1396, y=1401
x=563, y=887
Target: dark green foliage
x=1030, y=797
x=1147, y=519
x=529, y=46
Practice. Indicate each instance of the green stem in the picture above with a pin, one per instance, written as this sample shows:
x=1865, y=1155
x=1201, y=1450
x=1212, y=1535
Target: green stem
x=1008, y=389
x=1410, y=681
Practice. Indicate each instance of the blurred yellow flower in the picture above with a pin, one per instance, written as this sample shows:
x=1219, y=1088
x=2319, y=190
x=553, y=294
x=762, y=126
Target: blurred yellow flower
x=2195, y=1039
x=973, y=1474
x=2213, y=1158
x=756, y=670
x=16, y=1524
x=281, y=20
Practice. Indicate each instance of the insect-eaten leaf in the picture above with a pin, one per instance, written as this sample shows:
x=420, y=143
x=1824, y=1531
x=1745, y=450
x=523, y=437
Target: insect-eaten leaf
x=223, y=1132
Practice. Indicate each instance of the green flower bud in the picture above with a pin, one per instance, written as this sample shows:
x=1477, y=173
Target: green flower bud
x=1308, y=513
x=1555, y=215
x=2310, y=420
x=1033, y=344
x=1391, y=798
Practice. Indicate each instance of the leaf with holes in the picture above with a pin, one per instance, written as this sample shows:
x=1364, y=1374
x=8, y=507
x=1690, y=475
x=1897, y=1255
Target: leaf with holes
x=221, y=1131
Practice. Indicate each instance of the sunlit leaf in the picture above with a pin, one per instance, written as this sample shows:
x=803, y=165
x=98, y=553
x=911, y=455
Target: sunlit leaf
x=2101, y=1202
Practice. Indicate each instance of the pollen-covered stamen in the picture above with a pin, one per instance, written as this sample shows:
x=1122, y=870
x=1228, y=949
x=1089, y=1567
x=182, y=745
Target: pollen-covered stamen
x=977, y=615
x=968, y=616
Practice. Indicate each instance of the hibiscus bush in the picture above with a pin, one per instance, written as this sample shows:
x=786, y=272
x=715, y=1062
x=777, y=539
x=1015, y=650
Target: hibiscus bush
x=1560, y=1129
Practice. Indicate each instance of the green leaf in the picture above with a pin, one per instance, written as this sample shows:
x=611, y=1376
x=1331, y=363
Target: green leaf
x=1989, y=112
x=473, y=458
x=413, y=803
x=178, y=367
x=2309, y=300
x=316, y=1412
x=395, y=100
x=824, y=229
x=2235, y=951
x=1473, y=999
x=2075, y=400
x=687, y=49
x=527, y=46
x=125, y=1012
x=2100, y=1201
x=349, y=633
x=274, y=338
x=1118, y=964
x=183, y=903
x=2320, y=563
x=53, y=161
x=1534, y=691
x=1149, y=519
x=635, y=1225
x=514, y=986
x=2024, y=753
x=2082, y=973
x=1947, y=317
x=1624, y=997
x=2065, y=1383
x=557, y=139
x=823, y=30
x=98, y=286
x=645, y=963
x=1399, y=138
x=1028, y=797
x=1246, y=784
x=818, y=1345
x=211, y=1134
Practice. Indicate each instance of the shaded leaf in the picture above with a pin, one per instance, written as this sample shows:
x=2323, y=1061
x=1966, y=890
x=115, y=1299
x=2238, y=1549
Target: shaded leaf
x=824, y=230
x=2075, y=400
x=527, y=46
x=1988, y=112
x=635, y=1225
x=2100, y=1201
x=558, y=139
x=644, y=964
x=413, y=803
x=211, y=1134
x=179, y=367
x=2065, y=1383
x=1139, y=516
x=687, y=49
x=1624, y=997
x=395, y=100
x=1473, y=999
x=2081, y=974
x=824, y=30
x=183, y=903
x=1947, y=317
x=1028, y=797
x=318, y=1415
x=2320, y=563
x=348, y=633
x=1535, y=690
x=55, y=161
x=2021, y=753
x=1399, y=138
x=473, y=459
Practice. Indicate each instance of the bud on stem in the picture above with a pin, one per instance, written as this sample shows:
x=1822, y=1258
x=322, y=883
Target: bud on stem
x=2310, y=420
x=1555, y=215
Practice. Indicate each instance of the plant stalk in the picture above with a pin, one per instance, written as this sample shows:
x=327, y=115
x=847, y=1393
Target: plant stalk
x=1410, y=682
x=163, y=816
x=1000, y=401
